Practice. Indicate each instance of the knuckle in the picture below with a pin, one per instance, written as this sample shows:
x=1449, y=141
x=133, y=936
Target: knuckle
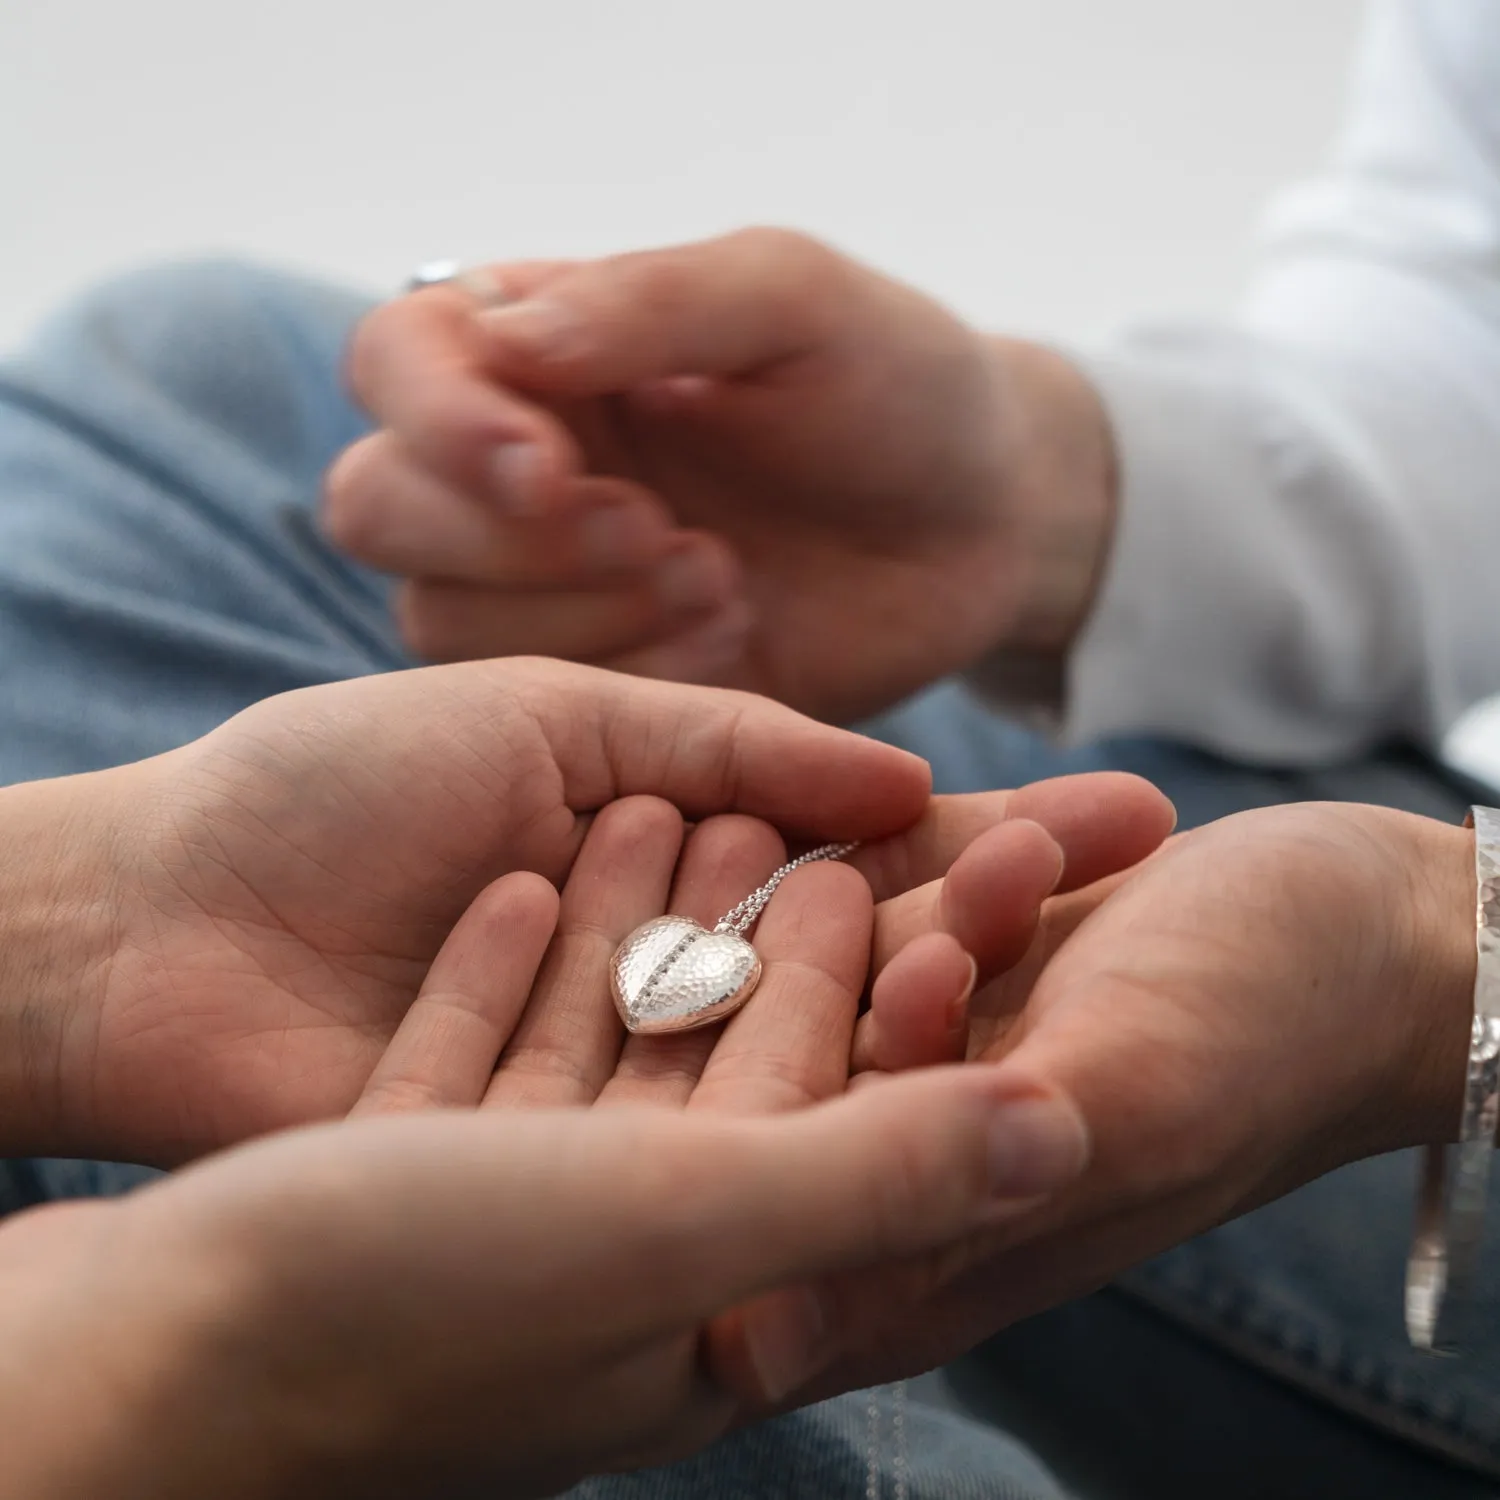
x=801, y=261
x=659, y=284
x=763, y=1084
x=801, y=275
x=402, y=1096
x=544, y=1073
x=775, y=241
x=901, y=1193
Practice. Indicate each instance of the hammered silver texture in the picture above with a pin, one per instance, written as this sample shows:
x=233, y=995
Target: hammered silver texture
x=1445, y=1257
x=672, y=975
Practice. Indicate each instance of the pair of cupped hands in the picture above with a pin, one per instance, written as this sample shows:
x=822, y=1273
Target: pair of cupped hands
x=575, y=1250
x=608, y=1250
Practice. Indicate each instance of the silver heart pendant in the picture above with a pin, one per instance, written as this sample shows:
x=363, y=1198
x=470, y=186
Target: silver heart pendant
x=673, y=975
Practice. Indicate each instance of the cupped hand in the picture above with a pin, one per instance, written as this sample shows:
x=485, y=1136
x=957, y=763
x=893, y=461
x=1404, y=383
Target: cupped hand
x=274, y=894
x=1267, y=998
x=519, y=1306
x=464, y=1303
x=516, y=1009
x=278, y=888
x=515, y=1297
x=751, y=462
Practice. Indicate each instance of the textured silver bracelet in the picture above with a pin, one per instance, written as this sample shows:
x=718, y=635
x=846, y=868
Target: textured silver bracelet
x=1444, y=1259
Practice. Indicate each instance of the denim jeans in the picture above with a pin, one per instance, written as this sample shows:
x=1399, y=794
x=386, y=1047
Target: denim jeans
x=161, y=447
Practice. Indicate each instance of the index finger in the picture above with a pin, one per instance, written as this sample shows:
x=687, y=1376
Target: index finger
x=418, y=366
x=1103, y=821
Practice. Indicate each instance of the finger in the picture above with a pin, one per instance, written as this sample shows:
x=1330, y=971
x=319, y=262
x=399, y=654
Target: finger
x=706, y=750
x=565, y=1045
x=384, y=507
x=724, y=860
x=733, y=305
x=789, y=1046
x=445, y=1048
x=915, y=1163
x=1103, y=821
x=990, y=900
x=935, y=1307
x=419, y=366
x=996, y=1005
x=919, y=1008
x=694, y=1212
x=446, y=620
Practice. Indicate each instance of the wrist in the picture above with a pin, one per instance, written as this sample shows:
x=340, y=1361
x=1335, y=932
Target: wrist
x=58, y=931
x=1057, y=491
x=1442, y=956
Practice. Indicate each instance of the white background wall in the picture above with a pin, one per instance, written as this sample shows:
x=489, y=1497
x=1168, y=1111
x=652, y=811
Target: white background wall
x=1048, y=166
x=1044, y=164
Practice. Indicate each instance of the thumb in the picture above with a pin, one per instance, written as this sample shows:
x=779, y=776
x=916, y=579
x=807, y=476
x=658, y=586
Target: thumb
x=726, y=307
x=710, y=750
x=907, y=1165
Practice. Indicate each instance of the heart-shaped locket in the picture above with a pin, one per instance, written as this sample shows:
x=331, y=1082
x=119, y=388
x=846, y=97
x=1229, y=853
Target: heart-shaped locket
x=673, y=975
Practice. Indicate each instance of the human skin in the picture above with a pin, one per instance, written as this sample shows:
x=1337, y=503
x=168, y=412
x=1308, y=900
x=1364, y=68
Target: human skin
x=220, y=941
x=1266, y=999
x=750, y=461
x=373, y=1312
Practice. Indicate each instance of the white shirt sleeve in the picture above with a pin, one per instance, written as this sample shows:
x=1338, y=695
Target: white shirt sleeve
x=1307, y=552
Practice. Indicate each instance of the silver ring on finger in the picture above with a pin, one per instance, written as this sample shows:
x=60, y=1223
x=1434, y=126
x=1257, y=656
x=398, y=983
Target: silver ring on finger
x=479, y=282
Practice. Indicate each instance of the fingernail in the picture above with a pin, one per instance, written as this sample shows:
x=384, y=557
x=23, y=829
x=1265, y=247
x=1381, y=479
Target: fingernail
x=1037, y=1145
x=609, y=537
x=958, y=1006
x=784, y=1340
x=689, y=581
x=515, y=468
x=539, y=326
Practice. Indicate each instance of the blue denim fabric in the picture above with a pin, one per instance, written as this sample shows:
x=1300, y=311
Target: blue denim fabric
x=161, y=445
x=837, y=1452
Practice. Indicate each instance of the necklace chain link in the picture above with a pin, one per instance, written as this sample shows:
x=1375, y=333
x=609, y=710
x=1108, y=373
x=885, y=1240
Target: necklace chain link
x=740, y=919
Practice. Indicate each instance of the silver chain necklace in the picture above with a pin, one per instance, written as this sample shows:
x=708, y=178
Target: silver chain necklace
x=670, y=974
x=875, y=1445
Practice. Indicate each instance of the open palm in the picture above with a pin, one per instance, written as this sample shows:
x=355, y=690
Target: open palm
x=289, y=878
x=285, y=883
x=1266, y=999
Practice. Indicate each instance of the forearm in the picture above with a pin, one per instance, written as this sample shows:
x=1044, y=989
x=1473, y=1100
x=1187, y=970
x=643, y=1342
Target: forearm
x=121, y=1357
x=59, y=914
